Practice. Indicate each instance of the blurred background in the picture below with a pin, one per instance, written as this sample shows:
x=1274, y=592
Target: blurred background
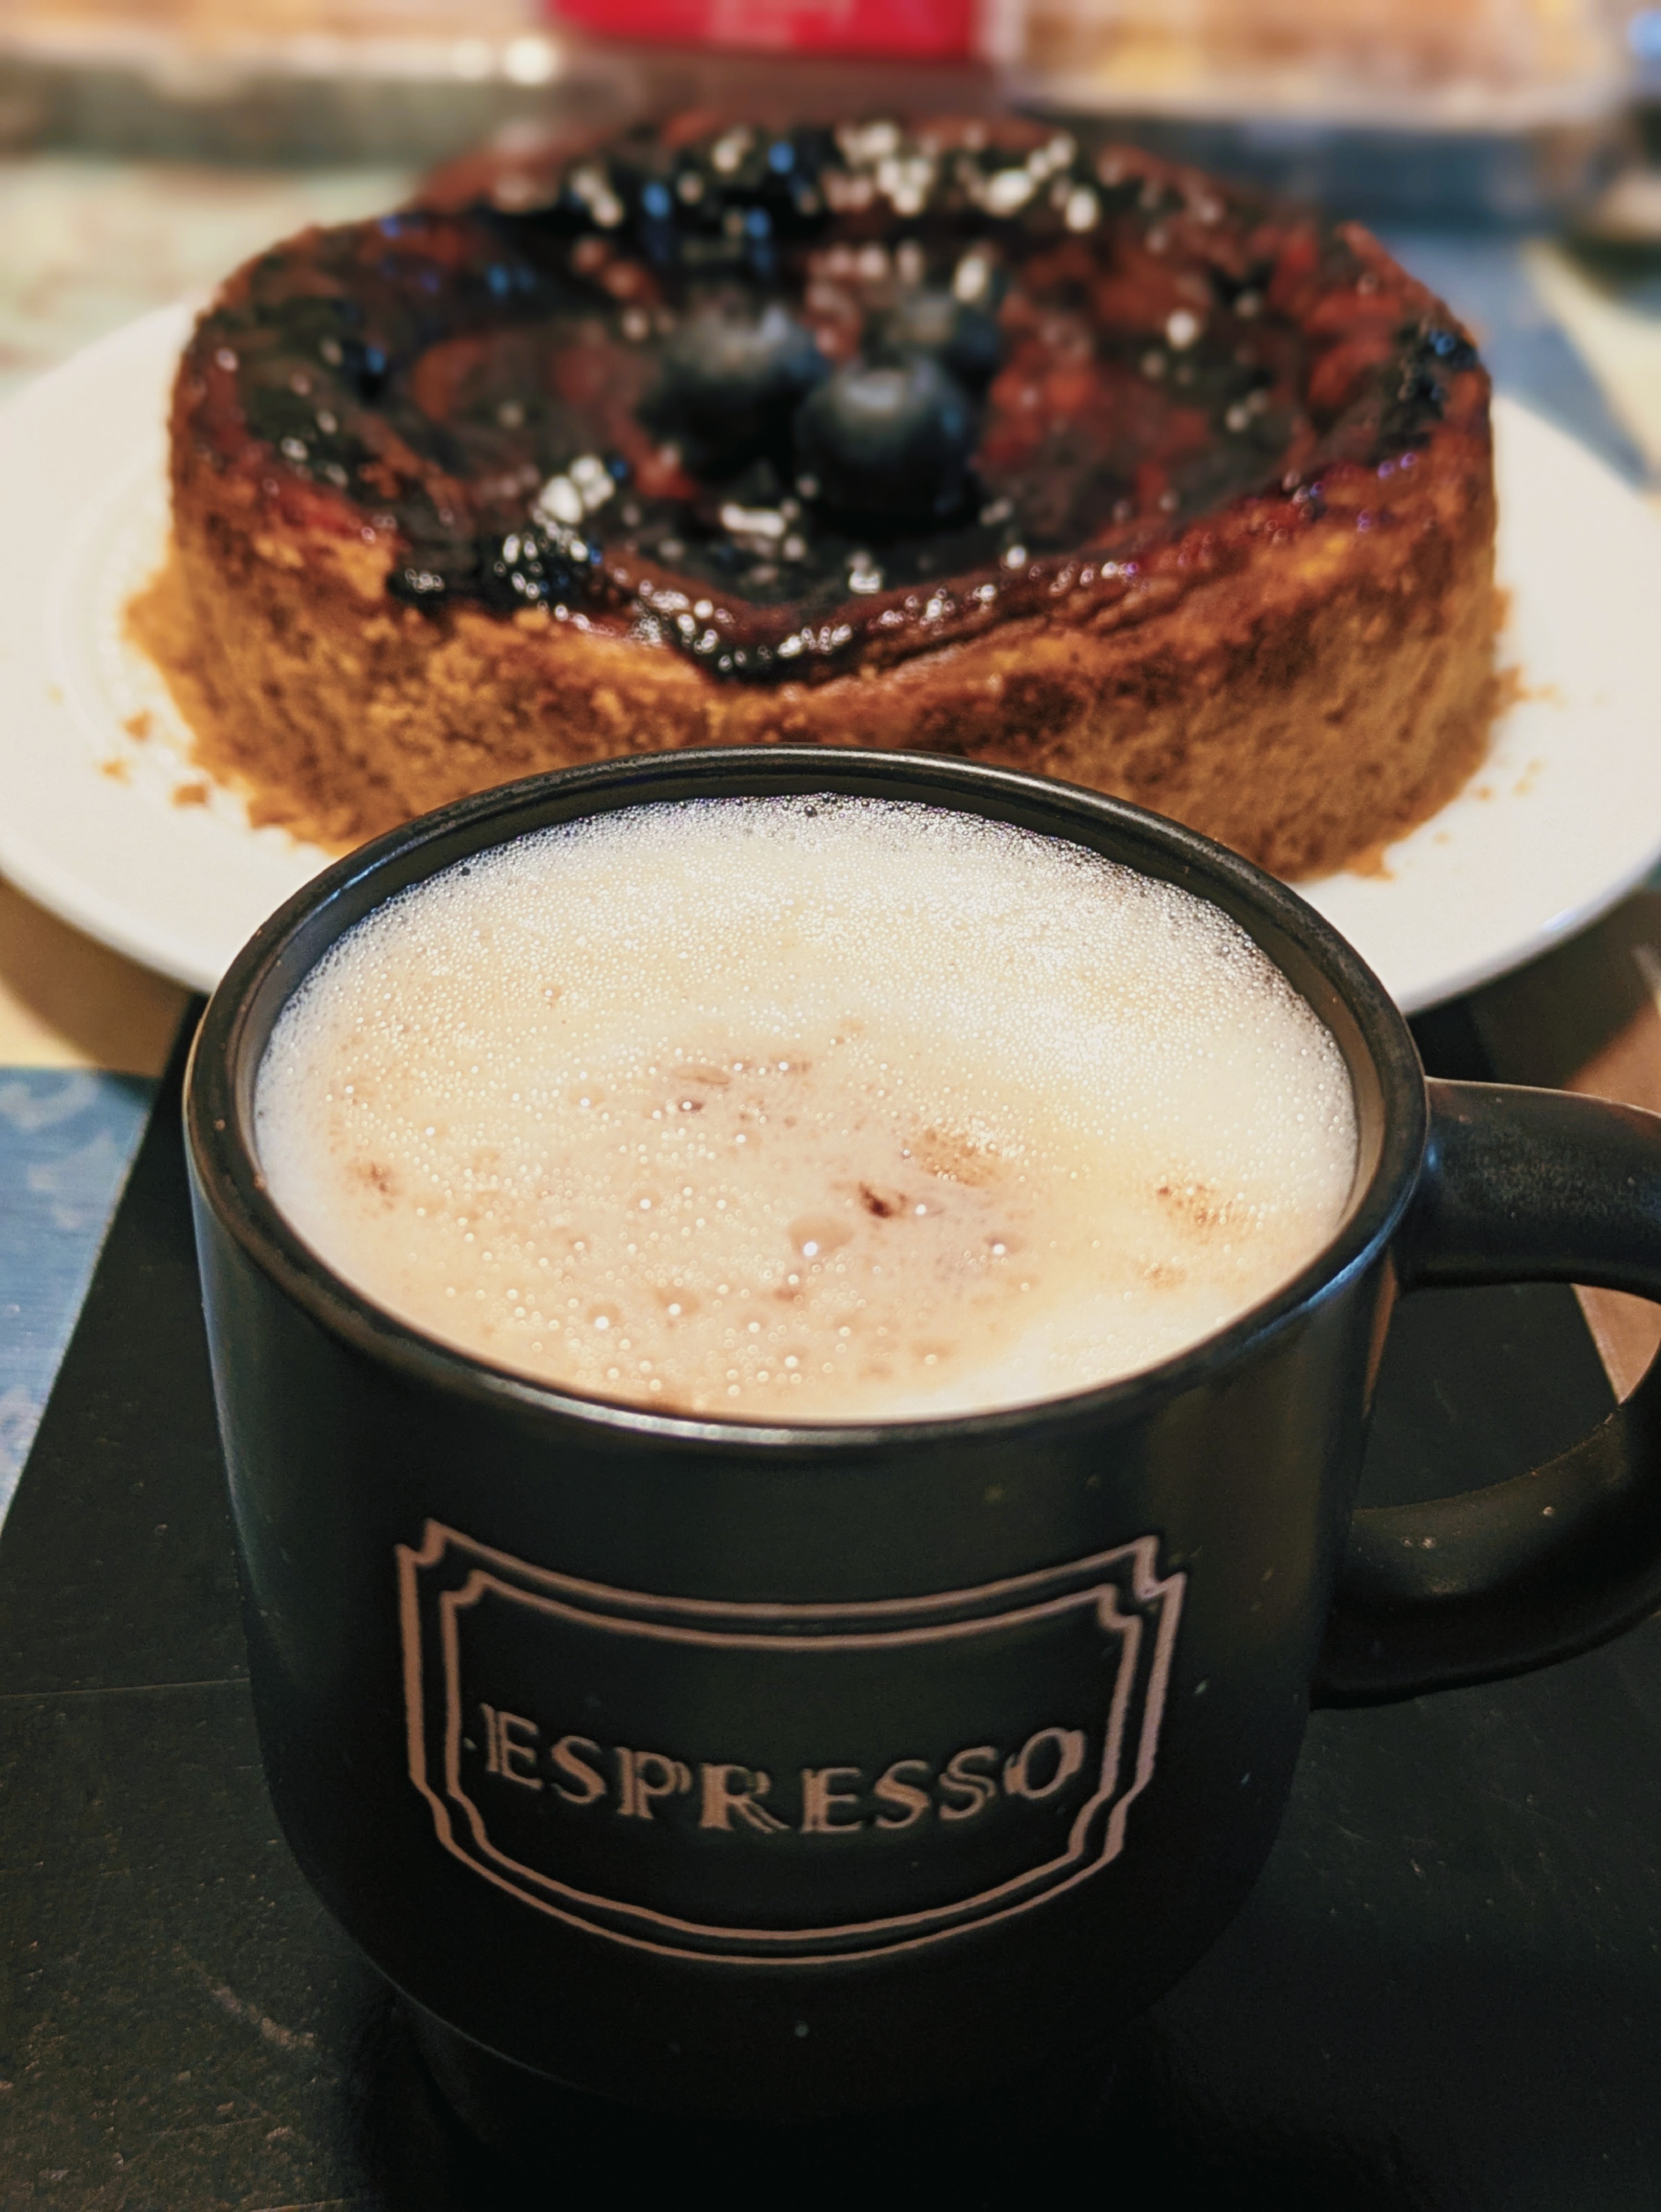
x=1505, y=108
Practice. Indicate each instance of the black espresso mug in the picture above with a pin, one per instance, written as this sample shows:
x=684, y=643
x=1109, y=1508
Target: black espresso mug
x=1029, y=1685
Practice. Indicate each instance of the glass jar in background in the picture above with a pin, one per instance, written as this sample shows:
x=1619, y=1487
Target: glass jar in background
x=1512, y=111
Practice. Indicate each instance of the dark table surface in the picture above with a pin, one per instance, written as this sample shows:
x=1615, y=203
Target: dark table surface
x=1445, y=1992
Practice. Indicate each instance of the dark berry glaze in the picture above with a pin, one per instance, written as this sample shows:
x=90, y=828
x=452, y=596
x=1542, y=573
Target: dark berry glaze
x=780, y=400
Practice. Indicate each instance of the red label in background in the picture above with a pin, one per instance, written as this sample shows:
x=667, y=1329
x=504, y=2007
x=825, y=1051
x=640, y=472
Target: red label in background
x=932, y=30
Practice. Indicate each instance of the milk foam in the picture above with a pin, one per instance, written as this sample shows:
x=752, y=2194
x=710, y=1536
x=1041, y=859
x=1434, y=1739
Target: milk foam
x=820, y=1109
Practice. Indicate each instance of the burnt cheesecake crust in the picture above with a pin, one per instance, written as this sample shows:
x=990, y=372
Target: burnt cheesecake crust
x=958, y=437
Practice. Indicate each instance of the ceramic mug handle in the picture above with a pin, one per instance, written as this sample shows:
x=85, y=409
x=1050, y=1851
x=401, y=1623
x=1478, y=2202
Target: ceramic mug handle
x=1517, y=1186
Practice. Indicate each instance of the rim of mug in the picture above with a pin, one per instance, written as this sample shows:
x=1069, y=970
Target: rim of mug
x=231, y=1038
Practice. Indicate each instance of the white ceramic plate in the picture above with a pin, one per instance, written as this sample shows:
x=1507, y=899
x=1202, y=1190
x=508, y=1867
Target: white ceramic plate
x=1563, y=818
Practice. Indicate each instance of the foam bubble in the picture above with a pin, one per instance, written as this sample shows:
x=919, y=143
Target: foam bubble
x=820, y=1109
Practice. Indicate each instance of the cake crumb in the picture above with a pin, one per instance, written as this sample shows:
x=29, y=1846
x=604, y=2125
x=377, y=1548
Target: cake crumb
x=1372, y=861
x=115, y=769
x=1548, y=695
x=140, y=724
x=191, y=794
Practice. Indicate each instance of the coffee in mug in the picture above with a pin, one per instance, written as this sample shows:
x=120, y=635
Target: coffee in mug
x=726, y=1762
x=807, y=1108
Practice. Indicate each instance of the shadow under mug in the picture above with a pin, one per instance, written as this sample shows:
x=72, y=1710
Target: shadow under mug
x=784, y=1770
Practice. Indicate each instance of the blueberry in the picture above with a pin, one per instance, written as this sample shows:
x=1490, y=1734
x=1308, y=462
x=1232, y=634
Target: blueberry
x=734, y=375
x=889, y=440
x=363, y=367
x=527, y=567
x=1417, y=394
x=962, y=338
x=1449, y=347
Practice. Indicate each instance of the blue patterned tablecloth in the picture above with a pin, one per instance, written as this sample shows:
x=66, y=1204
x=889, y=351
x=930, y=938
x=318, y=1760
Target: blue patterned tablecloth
x=67, y=1139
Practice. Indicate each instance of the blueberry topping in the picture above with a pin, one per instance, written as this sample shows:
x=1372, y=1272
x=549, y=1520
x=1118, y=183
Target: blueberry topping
x=734, y=375
x=889, y=440
x=963, y=339
x=598, y=387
